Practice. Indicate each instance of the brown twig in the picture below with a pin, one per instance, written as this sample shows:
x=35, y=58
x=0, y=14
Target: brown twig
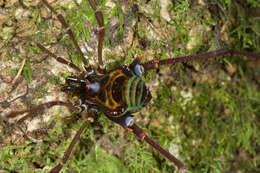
x=18, y=74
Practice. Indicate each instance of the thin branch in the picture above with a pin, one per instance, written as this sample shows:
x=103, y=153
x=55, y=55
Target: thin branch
x=18, y=74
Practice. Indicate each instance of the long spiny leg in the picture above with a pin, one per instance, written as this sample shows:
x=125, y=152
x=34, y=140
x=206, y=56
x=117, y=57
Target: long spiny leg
x=59, y=59
x=101, y=31
x=6, y=103
x=69, y=31
x=153, y=64
x=143, y=135
x=41, y=107
x=30, y=112
x=27, y=136
x=72, y=144
x=127, y=122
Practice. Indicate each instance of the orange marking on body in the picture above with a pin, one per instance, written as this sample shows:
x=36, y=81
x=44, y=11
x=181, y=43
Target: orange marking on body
x=129, y=129
x=110, y=103
x=155, y=63
x=143, y=134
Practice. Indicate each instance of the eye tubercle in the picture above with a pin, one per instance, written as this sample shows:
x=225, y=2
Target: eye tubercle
x=94, y=86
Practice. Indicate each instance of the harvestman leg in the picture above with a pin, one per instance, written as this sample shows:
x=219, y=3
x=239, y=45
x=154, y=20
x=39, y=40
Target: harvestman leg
x=59, y=59
x=131, y=126
x=47, y=105
x=153, y=64
x=101, y=31
x=101, y=34
x=143, y=135
x=67, y=153
x=69, y=31
x=30, y=112
x=35, y=109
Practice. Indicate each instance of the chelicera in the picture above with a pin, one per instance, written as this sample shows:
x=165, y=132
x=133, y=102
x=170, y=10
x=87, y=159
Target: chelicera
x=118, y=92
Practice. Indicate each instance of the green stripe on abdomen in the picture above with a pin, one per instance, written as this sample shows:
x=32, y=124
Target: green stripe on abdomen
x=128, y=99
x=134, y=102
x=131, y=103
x=140, y=94
x=134, y=92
